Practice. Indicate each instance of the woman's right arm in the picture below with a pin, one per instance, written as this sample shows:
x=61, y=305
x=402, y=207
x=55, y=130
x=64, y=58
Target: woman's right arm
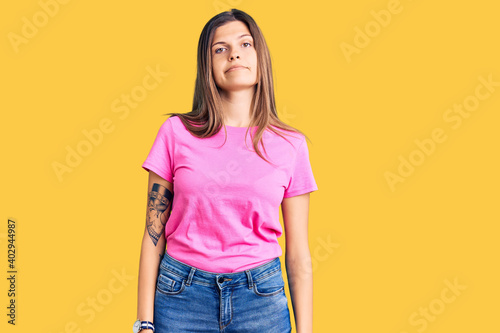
x=160, y=196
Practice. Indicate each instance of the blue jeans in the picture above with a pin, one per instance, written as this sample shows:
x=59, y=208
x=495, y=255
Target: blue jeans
x=189, y=299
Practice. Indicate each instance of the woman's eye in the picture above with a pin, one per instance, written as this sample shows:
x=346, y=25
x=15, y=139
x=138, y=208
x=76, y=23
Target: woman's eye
x=220, y=48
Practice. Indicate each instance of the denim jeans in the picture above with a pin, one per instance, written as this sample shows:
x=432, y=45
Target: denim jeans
x=188, y=299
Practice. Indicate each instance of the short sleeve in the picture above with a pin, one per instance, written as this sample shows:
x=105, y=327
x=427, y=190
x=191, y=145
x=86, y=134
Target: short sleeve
x=160, y=158
x=302, y=179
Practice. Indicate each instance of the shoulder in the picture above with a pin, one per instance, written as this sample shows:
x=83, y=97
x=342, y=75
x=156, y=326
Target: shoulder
x=287, y=137
x=169, y=125
x=171, y=121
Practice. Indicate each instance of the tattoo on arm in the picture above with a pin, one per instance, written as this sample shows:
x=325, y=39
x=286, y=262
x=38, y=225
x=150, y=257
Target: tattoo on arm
x=160, y=198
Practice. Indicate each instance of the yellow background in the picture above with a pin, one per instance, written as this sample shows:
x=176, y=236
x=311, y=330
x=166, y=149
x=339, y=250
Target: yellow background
x=381, y=256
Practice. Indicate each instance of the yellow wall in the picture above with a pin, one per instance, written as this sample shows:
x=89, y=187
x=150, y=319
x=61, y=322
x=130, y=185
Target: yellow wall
x=393, y=94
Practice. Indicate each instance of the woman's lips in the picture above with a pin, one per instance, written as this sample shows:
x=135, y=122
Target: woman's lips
x=236, y=68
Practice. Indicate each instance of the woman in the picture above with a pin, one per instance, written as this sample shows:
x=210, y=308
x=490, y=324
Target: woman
x=215, y=201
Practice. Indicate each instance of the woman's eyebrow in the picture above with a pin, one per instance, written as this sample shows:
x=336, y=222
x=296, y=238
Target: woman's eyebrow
x=226, y=43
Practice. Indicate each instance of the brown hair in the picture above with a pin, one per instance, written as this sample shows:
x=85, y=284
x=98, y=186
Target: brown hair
x=205, y=119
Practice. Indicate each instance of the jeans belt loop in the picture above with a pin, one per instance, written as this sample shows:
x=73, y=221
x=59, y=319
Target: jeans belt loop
x=190, y=277
x=250, y=281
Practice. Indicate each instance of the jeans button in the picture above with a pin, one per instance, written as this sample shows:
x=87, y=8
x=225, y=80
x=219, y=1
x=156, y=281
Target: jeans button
x=221, y=279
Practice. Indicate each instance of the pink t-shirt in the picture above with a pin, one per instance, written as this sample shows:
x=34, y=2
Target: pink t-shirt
x=225, y=210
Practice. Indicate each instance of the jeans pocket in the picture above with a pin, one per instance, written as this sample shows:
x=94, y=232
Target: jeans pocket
x=169, y=283
x=270, y=285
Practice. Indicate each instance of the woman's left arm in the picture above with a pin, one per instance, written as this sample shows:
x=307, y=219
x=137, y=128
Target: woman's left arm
x=298, y=260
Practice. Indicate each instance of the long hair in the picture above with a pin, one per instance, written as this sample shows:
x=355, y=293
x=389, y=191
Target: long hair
x=206, y=118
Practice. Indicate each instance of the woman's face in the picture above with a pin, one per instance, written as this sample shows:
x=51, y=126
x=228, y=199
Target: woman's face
x=233, y=45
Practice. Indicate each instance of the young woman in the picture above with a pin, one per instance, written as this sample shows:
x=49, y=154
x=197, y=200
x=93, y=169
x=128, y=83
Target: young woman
x=214, y=197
